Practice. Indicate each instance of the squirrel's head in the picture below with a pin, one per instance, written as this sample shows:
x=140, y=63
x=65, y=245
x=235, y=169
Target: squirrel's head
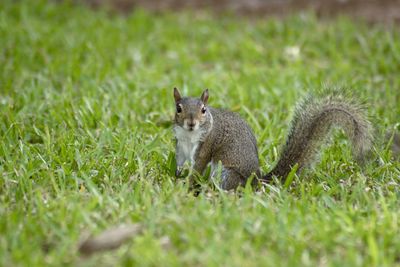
x=191, y=113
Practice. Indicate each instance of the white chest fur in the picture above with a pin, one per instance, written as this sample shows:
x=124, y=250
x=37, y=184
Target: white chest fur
x=187, y=144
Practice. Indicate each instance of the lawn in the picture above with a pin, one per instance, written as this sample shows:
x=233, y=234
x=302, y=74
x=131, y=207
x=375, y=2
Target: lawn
x=86, y=141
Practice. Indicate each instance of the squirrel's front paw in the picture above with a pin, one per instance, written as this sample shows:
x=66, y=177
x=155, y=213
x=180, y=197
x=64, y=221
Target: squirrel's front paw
x=178, y=172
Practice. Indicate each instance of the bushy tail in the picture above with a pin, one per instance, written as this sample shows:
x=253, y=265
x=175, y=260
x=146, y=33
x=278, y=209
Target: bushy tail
x=312, y=122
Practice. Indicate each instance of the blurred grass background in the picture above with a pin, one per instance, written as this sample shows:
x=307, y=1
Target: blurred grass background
x=86, y=103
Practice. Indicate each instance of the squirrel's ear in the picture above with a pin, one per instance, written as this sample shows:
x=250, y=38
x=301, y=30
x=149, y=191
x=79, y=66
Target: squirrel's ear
x=177, y=95
x=204, y=96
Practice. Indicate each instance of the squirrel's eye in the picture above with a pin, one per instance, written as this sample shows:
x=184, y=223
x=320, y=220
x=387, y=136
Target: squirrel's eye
x=203, y=110
x=178, y=109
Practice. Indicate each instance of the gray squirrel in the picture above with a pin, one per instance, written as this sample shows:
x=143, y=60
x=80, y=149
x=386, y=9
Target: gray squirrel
x=206, y=135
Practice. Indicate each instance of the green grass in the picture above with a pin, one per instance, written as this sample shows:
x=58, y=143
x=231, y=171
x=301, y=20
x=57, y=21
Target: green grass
x=84, y=143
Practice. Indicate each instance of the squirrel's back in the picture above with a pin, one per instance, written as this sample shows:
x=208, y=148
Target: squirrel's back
x=234, y=143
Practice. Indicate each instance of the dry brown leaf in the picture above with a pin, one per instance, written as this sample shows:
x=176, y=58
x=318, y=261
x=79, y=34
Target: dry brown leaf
x=109, y=239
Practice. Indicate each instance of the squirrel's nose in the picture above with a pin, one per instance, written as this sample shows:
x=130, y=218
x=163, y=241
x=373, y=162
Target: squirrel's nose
x=191, y=124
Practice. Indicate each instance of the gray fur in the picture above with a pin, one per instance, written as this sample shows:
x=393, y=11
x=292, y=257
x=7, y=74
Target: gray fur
x=227, y=138
x=311, y=124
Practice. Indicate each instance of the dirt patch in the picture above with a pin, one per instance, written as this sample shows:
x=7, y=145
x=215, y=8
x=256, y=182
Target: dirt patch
x=387, y=11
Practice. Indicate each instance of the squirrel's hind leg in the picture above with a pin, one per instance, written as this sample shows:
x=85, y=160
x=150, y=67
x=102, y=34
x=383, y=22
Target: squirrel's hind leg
x=231, y=179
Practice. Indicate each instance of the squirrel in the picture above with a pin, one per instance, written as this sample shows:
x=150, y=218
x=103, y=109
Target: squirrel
x=206, y=135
